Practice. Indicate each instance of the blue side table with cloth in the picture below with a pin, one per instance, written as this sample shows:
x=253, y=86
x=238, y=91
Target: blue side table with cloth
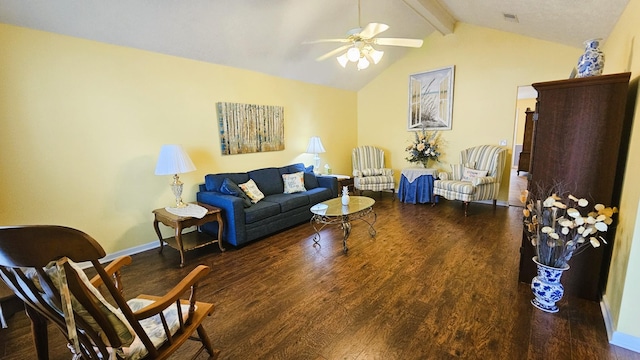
x=416, y=185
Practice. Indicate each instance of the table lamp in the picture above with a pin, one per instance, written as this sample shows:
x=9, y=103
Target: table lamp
x=315, y=147
x=173, y=160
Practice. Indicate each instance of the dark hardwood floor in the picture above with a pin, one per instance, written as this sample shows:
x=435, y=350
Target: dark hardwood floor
x=431, y=285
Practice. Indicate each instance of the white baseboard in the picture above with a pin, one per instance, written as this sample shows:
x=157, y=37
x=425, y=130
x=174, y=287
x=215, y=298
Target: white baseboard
x=615, y=337
x=490, y=202
x=130, y=251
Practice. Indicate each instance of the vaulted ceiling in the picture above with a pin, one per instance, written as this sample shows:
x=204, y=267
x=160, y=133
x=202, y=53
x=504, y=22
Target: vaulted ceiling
x=267, y=35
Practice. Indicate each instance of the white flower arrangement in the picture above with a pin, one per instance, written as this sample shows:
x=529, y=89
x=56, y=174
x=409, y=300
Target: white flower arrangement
x=424, y=147
x=560, y=228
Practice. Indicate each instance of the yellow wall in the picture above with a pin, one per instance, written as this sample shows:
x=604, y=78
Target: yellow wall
x=83, y=123
x=489, y=67
x=622, y=294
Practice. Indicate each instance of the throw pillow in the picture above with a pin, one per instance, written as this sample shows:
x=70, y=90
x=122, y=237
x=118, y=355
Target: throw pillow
x=293, y=183
x=251, y=189
x=230, y=188
x=470, y=174
x=372, y=172
x=458, y=170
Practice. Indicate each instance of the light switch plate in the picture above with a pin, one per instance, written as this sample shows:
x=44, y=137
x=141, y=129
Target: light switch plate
x=503, y=142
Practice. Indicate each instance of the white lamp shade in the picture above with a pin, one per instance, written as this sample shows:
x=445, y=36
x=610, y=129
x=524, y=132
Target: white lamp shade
x=376, y=55
x=353, y=54
x=173, y=160
x=315, y=145
x=343, y=60
x=363, y=63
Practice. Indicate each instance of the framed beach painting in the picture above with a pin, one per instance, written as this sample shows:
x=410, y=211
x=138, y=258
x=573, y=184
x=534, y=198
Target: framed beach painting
x=431, y=99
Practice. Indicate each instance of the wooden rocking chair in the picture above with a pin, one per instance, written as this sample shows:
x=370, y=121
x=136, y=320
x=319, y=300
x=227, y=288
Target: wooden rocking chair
x=37, y=263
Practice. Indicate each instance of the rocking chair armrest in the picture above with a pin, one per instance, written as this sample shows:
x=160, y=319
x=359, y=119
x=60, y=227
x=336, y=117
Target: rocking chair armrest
x=111, y=269
x=174, y=294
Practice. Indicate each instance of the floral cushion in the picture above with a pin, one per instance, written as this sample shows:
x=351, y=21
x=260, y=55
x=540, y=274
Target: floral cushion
x=113, y=315
x=471, y=174
x=251, y=189
x=293, y=183
x=153, y=327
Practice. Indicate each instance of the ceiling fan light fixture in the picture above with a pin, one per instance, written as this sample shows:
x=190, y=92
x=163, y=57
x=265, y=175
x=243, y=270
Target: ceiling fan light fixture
x=353, y=54
x=343, y=60
x=363, y=63
x=376, y=55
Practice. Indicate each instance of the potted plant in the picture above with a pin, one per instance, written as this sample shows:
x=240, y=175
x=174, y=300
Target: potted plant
x=560, y=227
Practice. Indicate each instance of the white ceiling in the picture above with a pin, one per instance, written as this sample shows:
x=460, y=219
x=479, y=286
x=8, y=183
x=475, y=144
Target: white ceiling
x=267, y=35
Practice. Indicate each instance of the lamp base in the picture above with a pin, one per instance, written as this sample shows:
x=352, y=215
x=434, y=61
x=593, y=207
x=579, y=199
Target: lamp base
x=316, y=164
x=176, y=188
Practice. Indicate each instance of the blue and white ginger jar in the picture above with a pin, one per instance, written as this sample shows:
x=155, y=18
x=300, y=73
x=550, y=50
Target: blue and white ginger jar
x=591, y=63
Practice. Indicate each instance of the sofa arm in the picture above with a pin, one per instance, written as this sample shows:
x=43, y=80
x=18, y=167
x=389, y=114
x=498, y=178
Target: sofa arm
x=232, y=214
x=443, y=175
x=483, y=180
x=330, y=182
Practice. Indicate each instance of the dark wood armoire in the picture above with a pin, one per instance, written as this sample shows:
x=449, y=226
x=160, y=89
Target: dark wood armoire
x=525, y=155
x=580, y=140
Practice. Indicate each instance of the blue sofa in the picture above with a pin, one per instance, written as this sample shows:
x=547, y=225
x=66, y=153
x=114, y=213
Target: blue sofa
x=277, y=211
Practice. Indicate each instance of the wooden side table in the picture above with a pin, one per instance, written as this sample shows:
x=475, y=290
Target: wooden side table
x=192, y=240
x=344, y=180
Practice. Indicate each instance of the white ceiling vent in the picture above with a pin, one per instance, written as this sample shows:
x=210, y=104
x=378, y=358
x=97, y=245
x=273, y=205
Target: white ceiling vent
x=510, y=17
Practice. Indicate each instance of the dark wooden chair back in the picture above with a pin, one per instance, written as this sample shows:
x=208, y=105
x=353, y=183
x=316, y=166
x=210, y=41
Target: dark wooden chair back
x=38, y=264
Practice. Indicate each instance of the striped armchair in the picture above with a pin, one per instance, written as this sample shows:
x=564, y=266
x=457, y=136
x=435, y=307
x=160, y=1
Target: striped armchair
x=369, y=172
x=477, y=177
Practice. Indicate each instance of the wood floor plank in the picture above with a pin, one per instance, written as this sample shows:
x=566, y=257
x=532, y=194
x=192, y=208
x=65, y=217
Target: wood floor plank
x=431, y=284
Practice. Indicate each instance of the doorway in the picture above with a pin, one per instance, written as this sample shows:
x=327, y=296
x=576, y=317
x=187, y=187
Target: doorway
x=526, y=99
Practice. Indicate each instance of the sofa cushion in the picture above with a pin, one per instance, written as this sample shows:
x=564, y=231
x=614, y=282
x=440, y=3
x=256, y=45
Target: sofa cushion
x=289, y=201
x=230, y=188
x=253, y=192
x=268, y=180
x=293, y=183
x=310, y=179
x=213, y=182
x=318, y=195
x=260, y=211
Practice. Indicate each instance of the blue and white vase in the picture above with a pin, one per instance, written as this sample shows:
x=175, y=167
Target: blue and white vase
x=591, y=63
x=546, y=287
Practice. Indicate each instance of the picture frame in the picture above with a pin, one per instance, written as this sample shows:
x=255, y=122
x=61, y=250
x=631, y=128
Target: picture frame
x=250, y=128
x=431, y=99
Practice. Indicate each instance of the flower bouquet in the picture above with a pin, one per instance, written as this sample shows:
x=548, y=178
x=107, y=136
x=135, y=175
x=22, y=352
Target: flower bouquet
x=560, y=228
x=424, y=147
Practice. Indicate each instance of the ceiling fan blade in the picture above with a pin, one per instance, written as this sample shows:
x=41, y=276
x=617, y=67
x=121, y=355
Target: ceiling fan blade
x=325, y=40
x=398, y=42
x=333, y=52
x=373, y=29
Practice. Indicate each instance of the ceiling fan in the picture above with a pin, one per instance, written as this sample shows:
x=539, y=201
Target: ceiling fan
x=359, y=45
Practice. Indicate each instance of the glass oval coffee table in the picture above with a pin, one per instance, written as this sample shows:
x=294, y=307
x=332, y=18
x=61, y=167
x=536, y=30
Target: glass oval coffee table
x=332, y=212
